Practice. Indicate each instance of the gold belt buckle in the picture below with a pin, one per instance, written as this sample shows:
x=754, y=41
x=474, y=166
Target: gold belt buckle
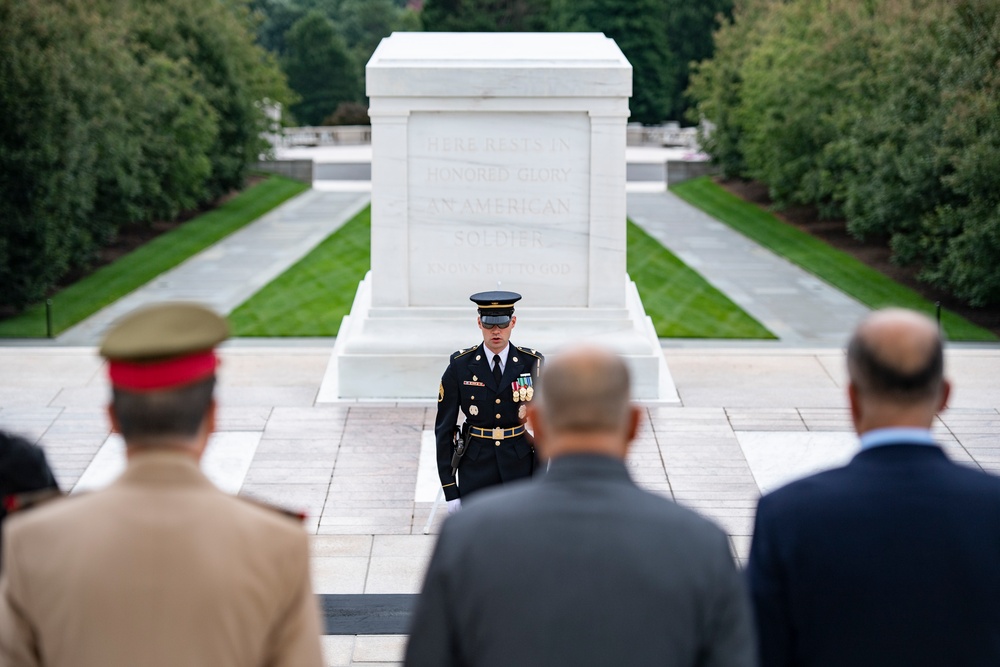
x=498, y=433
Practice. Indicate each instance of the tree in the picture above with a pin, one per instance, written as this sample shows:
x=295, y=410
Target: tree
x=885, y=111
x=274, y=19
x=962, y=236
x=59, y=139
x=716, y=85
x=319, y=69
x=688, y=36
x=229, y=70
x=117, y=112
x=488, y=15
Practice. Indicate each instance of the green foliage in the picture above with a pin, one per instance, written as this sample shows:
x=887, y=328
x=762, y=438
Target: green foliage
x=885, y=113
x=117, y=112
x=688, y=38
x=325, y=62
x=680, y=302
x=109, y=283
x=364, y=23
x=54, y=120
x=659, y=37
x=487, y=15
x=639, y=29
x=319, y=68
x=837, y=268
x=233, y=74
x=313, y=296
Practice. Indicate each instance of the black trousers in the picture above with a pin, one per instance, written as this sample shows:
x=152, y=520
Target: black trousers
x=486, y=464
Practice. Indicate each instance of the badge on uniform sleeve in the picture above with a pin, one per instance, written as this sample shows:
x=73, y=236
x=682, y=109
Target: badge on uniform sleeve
x=440, y=392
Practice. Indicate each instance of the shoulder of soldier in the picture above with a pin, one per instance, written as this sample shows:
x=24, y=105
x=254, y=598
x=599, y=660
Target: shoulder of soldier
x=461, y=353
x=527, y=350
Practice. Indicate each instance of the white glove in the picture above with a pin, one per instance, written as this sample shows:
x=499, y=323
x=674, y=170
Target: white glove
x=454, y=505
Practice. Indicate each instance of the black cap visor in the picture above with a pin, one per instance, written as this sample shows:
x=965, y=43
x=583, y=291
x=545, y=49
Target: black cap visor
x=494, y=319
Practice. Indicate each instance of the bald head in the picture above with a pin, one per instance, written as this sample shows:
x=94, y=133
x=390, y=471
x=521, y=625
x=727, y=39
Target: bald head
x=583, y=405
x=896, y=357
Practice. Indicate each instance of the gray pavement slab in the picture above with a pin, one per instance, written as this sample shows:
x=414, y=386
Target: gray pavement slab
x=794, y=305
x=231, y=271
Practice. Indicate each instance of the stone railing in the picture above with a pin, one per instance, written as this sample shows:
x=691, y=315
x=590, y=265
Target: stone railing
x=336, y=135
x=668, y=134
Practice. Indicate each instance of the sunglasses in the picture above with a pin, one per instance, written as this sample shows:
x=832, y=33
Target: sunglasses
x=493, y=326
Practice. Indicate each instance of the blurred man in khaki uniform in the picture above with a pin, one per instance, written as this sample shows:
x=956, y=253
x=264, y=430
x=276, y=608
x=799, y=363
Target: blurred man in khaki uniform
x=160, y=568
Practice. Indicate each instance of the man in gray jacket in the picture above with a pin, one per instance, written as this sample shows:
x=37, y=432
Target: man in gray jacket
x=580, y=566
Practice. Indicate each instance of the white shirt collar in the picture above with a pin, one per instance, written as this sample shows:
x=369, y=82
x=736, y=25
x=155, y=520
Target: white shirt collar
x=502, y=353
x=897, y=436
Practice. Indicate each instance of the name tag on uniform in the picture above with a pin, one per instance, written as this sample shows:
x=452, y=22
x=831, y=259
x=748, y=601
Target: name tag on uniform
x=474, y=384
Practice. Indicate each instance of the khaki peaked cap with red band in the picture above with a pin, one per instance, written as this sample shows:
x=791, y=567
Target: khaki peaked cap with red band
x=163, y=346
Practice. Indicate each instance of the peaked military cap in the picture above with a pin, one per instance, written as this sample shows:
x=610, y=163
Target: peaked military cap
x=495, y=307
x=163, y=346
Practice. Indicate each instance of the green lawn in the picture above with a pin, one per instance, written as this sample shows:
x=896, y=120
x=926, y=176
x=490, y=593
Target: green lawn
x=822, y=260
x=312, y=297
x=680, y=302
x=111, y=282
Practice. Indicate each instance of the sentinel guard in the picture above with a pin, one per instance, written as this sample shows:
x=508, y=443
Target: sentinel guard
x=491, y=384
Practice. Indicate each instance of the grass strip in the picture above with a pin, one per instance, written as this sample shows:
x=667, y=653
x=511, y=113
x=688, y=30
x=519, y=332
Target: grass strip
x=312, y=296
x=680, y=302
x=113, y=281
x=837, y=268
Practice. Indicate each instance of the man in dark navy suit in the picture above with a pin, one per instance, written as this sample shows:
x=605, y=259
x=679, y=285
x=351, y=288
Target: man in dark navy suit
x=580, y=567
x=893, y=559
x=492, y=383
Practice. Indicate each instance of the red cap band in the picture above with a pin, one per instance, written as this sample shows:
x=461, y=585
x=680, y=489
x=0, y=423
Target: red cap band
x=152, y=375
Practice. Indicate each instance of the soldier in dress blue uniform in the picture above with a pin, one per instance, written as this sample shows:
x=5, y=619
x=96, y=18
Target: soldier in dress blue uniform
x=491, y=383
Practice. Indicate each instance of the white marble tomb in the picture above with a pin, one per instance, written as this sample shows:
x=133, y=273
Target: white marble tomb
x=497, y=160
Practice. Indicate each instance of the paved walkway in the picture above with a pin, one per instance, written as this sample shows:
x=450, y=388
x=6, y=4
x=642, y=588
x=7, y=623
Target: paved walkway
x=795, y=305
x=229, y=272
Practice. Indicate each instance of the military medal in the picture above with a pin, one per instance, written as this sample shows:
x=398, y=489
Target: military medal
x=514, y=392
x=475, y=379
x=530, y=390
x=522, y=411
x=523, y=392
x=473, y=410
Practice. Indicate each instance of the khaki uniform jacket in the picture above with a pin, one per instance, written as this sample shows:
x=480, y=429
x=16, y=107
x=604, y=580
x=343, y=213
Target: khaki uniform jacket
x=160, y=568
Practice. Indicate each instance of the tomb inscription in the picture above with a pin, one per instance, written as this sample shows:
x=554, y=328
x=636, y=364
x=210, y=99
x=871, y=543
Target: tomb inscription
x=498, y=196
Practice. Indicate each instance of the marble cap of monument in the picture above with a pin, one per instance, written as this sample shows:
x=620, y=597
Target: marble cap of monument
x=497, y=158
